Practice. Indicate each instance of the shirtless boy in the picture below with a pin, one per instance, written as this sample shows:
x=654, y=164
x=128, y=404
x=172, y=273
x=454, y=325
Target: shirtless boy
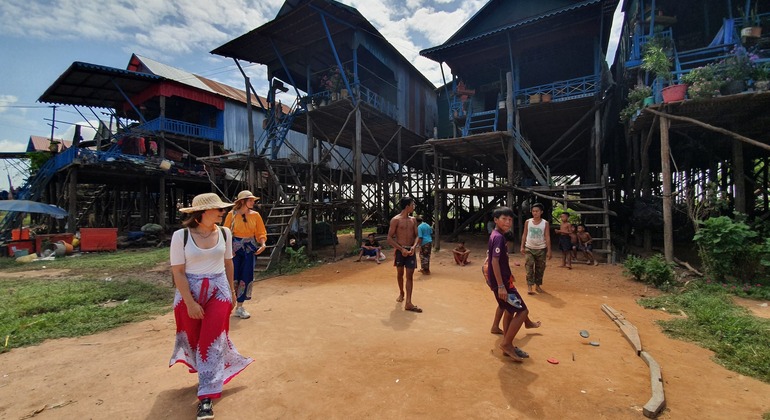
x=565, y=242
x=402, y=236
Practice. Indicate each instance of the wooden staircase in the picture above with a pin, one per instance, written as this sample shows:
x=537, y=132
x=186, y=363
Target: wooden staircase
x=592, y=202
x=283, y=213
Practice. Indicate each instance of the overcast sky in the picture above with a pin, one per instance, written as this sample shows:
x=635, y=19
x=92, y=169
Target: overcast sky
x=39, y=39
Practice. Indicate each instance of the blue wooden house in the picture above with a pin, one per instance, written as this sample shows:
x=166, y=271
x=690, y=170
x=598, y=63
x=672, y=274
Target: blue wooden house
x=352, y=90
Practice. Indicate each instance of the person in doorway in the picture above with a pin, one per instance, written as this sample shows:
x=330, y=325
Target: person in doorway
x=402, y=236
x=425, y=232
x=249, y=237
x=202, y=269
x=536, y=247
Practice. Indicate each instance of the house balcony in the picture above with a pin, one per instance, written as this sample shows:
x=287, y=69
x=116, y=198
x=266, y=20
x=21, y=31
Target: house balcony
x=560, y=91
x=368, y=96
x=183, y=128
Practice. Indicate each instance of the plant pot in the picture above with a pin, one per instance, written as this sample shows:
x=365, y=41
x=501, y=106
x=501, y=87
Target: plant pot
x=732, y=87
x=535, y=98
x=674, y=93
x=547, y=97
x=650, y=100
x=752, y=32
x=761, y=85
x=343, y=93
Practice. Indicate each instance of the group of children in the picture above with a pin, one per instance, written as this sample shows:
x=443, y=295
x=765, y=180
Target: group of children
x=574, y=238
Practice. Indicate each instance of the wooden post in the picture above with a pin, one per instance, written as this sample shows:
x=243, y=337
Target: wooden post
x=73, y=200
x=162, y=201
x=250, y=120
x=436, y=200
x=739, y=178
x=509, y=128
x=358, y=183
x=668, y=231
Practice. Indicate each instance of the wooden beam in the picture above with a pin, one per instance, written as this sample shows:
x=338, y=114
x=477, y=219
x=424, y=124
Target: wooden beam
x=665, y=161
x=728, y=133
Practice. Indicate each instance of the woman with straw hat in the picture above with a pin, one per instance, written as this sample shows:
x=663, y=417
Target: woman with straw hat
x=248, y=231
x=202, y=268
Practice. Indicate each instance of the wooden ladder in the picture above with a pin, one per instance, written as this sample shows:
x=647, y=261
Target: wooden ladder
x=283, y=213
x=594, y=211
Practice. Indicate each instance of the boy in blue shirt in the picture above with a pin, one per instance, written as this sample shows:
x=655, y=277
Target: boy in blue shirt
x=425, y=233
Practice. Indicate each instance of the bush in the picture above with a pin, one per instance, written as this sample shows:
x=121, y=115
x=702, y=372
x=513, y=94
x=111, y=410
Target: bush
x=658, y=272
x=726, y=249
x=634, y=267
x=654, y=270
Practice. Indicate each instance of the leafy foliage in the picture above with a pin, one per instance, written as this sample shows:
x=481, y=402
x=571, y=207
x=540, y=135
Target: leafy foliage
x=726, y=248
x=634, y=267
x=654, y=270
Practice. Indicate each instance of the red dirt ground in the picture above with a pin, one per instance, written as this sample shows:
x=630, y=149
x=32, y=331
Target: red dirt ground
x=332, y=343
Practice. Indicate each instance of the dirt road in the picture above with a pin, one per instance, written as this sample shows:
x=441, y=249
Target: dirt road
x=332, y=343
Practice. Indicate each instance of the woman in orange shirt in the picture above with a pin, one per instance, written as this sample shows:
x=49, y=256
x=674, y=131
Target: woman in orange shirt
x=248, y=232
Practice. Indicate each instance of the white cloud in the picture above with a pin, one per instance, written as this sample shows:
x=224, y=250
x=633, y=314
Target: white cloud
x=12, y=145
x=6, y=101
x=174, y=27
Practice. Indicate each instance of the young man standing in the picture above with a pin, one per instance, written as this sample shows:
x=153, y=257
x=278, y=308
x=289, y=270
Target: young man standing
x=536, y=247
x=402, y=236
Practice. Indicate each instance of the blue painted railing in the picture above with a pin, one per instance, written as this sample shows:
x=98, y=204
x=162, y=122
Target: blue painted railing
x=562, y=90
x=367, y=95
x=184, y=128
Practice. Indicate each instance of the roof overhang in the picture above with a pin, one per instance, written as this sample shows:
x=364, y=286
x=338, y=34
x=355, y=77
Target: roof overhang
x=449, y=50
x=97, y=86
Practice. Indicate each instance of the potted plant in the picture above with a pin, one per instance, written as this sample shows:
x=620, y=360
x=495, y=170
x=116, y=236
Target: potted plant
x=657, y=62
x=735, y=70
x=752, y=27
x=702, y=82
x=761, y=77
x=636, y=99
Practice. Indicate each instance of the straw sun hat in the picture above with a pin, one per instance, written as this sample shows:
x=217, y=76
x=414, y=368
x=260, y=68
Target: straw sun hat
x=206, y=201
x=245, y=195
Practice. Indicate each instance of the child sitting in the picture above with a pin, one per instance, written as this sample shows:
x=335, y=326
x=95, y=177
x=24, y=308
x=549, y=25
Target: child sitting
x=461, y=254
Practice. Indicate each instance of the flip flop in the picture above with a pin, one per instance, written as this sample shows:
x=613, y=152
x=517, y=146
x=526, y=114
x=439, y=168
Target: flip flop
x=594, y=343
x=521, y=353
x=553, y=361
x=414, y=309
x=584, y=334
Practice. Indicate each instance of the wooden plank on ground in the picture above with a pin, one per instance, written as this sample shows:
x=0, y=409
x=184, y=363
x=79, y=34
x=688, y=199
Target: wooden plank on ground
x=657, y=402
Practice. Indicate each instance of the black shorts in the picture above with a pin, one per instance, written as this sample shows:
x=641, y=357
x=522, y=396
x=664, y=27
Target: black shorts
x=507, y=306
x=408, y=262
x=565, y=243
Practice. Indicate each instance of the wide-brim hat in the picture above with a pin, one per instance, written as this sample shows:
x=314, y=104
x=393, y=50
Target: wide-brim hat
x=206, y=201
x=245, y=195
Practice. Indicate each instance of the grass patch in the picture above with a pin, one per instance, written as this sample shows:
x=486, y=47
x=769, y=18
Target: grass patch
x=34, y=310
x=738, y=339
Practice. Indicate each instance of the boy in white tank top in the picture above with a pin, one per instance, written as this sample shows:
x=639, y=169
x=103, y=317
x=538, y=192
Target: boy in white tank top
x=536, y=247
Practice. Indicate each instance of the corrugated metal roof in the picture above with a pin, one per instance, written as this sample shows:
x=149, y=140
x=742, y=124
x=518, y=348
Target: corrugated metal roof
x=450, y=44
x=199, y=82
x=95, y=85
x=41, y=144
